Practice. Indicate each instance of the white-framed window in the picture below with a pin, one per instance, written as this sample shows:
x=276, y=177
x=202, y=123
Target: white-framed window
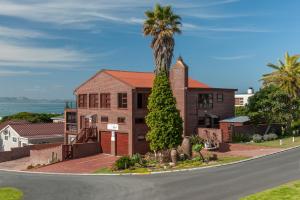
x=6, y=137
x=14, y=139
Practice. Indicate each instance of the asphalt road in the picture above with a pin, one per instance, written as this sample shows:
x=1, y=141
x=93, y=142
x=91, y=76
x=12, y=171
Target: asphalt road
x=220, y=183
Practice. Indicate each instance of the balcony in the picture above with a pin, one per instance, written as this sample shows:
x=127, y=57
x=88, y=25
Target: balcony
x=71, y=118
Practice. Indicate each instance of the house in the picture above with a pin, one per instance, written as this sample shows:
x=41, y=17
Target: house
x=58, y=119
x=242, y=99
x=112, y=105
x=23, y=134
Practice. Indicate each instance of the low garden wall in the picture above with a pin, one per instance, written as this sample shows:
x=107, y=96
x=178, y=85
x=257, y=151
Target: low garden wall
x=85, y=149
x=21, y=152
x=46, y=155
x=15, y=153
x=211, y=134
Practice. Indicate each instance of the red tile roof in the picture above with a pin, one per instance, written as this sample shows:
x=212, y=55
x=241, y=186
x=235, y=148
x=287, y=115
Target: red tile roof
x=4, y=124
x=39, y=130
x=145, y=79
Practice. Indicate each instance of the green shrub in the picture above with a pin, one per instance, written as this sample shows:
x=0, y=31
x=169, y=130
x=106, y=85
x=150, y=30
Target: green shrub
x=271, y=136
x=195, y=139
x=236, y=138
x=198, y=147
x=163, y=119
x=137, y=159
x=124, y=162
x=257, y=138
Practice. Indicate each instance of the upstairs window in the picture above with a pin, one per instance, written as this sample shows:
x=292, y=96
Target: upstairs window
x=205, y=101
x=82, y=101
x=104, y=119
x=121, y=120
x=220, y=97
x=93, y=101
x=122, y=100
x=142, y=100
x=104, y=100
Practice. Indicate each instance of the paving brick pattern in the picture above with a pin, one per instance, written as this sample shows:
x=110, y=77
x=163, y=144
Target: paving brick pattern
x=244, y=150
x=82, y=165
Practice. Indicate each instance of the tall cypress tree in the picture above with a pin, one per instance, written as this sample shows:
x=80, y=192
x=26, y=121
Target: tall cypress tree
x=163, y=119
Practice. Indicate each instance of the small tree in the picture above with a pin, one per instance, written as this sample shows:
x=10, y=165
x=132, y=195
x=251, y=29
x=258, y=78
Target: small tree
x=163, y=119
x=272, y=105
x=197, y=148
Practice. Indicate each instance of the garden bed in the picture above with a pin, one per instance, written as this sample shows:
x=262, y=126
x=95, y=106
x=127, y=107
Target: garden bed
x=187, y=164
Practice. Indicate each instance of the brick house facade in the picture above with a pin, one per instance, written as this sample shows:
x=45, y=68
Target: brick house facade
x=120, y=97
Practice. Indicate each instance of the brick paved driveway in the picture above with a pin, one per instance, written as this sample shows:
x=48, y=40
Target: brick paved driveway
x=244, y=150
x=82, y=165
x=18, y=164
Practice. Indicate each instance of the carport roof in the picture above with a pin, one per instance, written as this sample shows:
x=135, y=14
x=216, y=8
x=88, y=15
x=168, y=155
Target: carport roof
x=239, y=119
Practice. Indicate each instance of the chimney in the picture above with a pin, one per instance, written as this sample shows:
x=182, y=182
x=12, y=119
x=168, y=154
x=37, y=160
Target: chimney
x=179, y=84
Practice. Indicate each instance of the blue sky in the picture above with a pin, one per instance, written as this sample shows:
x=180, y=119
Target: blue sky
x=47, y=48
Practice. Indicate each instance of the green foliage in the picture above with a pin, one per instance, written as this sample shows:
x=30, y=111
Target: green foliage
x=257, y=138
x=195, y=139
x=240, y=111
x=162, y=24
x=236, y=138
x=286, y=75
x=296, y=124
x=136, y=158
x=198, y=147
x=31, y=117
x=124, y=162
x=163, y=119
x=272, y=105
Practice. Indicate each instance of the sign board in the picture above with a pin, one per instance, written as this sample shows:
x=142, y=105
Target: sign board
x=113, y=127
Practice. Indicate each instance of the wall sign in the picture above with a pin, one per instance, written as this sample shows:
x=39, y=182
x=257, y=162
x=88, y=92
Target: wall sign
x=113, y=127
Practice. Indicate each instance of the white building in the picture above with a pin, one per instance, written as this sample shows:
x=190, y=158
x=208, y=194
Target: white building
x=20, y=135
x=242, y=99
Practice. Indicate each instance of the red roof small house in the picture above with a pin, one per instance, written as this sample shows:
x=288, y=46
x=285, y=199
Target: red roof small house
x=118, y=99
x=22, y=134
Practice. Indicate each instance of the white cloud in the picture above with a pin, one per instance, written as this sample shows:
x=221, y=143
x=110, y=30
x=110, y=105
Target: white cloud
x=17, y=55
x=238, y=57
x=9, y=73
x=21, y=33
x=204, y=15
x=194, y=27
x=82, y=14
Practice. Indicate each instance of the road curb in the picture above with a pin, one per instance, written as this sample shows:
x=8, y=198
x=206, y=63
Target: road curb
x=152, y=173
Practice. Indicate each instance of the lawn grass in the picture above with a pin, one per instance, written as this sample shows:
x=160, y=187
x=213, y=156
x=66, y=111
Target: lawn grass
x=180, y=165
x=286, y=143
x=289, y=191
x=8, y=193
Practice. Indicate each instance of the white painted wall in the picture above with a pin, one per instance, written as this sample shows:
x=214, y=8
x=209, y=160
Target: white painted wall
x=245, y=98
x=9, y=138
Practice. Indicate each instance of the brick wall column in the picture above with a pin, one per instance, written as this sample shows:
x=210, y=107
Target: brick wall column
x=179, y=84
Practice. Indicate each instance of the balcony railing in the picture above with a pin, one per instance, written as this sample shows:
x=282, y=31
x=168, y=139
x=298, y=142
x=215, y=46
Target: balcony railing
x=71, y=128
x=70, y=105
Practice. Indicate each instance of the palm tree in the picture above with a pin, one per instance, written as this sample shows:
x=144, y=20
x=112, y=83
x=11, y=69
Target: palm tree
x=162, y=24
x=286, y=75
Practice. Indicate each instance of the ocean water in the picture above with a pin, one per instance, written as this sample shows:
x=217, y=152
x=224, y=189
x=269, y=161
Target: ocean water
x=9, y=108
